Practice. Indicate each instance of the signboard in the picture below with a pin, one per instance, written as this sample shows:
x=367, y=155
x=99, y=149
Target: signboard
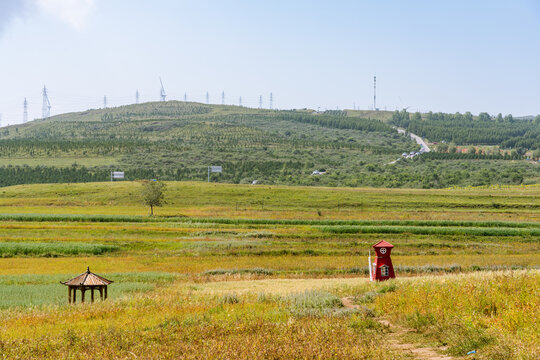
x=117, y=175
x=214, y=169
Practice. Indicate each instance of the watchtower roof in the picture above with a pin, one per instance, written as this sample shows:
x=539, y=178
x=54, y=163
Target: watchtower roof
x=88, y=278
x=382, y=244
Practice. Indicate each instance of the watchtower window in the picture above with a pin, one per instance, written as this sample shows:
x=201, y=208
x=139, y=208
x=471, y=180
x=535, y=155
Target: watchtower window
x=385, y=271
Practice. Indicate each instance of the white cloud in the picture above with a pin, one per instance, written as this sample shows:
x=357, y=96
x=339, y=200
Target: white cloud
x=72, y=12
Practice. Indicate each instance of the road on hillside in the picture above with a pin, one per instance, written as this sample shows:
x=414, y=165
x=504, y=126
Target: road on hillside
x=416, y=138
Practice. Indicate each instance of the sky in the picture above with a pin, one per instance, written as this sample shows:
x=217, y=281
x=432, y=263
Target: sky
x=445, y=55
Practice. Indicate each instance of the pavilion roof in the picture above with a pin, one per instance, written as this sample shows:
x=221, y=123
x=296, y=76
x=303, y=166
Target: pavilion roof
x=87, y=278
x=383, y=243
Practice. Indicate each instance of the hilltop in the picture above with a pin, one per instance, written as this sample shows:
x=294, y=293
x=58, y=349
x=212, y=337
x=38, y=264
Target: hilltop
x=176, y=140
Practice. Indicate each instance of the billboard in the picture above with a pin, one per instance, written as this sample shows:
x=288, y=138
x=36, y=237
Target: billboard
x=117, y=175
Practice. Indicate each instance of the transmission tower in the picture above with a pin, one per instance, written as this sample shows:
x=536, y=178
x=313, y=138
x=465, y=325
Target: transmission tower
x=162, y=93
x=271, y=100
x=207, y=98
x=25, y=111
x=137, y=96
x=223, y=98
x=375, y=93
x=46, y=108
x=260, y=101
x=240, y=101
x=185, y=96
x=105, y=101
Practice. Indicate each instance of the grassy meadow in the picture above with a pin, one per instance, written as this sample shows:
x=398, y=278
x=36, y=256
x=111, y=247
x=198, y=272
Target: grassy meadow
x=247, y=272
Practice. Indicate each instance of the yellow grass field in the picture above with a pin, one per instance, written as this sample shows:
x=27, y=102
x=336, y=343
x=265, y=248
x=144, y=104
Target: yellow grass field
x=257, y=272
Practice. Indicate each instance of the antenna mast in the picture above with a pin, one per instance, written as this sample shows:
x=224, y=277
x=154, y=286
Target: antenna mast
x=260, y=101
x=375, y=93
x=105, y=101
x=207, y=98
x=223, y=98
x=162, y=93
x=240, y=101
x=137, y=96
x=185, y=96
x=46, y=108
x=271, y=100
x=25, y=112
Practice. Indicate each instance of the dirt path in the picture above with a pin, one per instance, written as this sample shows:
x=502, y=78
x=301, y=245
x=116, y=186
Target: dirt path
x=396, y=343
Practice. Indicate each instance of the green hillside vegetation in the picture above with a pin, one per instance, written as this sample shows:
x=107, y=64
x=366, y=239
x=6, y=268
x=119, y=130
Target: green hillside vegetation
x=177, y=141
x=466, y=129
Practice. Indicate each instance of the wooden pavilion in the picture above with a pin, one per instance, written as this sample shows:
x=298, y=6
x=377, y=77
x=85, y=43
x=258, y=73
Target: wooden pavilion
x=87, y=281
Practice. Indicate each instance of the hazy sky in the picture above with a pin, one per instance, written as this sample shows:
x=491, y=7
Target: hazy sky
x=430, y=55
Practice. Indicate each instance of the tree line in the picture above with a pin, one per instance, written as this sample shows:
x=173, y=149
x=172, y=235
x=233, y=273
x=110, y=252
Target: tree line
x=466, y=129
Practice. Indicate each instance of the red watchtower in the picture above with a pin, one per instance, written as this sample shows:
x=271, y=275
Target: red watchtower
x=382, y=267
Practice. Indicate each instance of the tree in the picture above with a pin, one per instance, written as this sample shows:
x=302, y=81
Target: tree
x=152, y=194
x=483, y=116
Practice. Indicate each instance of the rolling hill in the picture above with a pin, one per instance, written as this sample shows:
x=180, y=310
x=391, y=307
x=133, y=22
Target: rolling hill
x=178, y=140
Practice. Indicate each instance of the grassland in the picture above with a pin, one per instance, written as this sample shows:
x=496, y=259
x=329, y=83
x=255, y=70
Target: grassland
x=255, y=272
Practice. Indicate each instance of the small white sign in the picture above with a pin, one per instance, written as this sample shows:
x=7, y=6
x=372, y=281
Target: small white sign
x=215, y=169
x=117, y=174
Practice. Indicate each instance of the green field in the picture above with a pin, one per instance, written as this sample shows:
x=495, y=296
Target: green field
x=263, y=271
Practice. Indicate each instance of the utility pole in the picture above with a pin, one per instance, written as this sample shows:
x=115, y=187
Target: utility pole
x=25, y=111
x=271, y=100
x=260, y=101
x=223, y=98
x=207, y=98
x=46, y=107
x=137, y=96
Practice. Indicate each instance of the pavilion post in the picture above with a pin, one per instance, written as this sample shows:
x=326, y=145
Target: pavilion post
x=92, y=292
x=101, y=293
x=69, y=294
x=82, y=296
x=74, y=291
x=105, y=293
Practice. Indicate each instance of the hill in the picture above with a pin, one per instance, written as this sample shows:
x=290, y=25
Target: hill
x=178, y=140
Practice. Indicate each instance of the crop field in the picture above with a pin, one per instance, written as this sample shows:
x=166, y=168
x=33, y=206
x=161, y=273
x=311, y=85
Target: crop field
x=257, y=272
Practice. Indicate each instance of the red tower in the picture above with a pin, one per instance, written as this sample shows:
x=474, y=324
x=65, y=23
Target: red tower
x=382, y=267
